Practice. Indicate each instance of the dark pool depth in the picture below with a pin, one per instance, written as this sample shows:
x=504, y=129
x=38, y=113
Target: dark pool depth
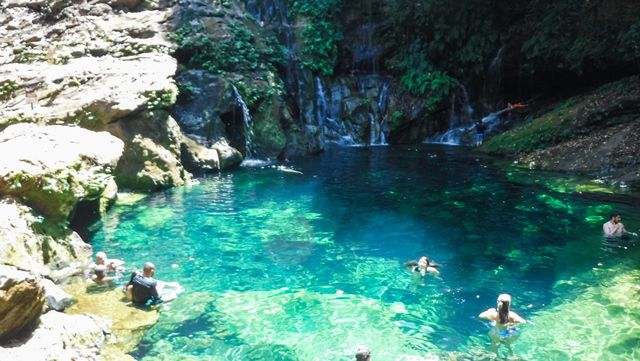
x=280, y=266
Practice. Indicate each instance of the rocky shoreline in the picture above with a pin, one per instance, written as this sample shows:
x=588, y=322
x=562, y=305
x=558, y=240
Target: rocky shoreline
x=85, y=90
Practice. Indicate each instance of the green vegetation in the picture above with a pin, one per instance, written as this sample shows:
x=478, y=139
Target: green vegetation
x=422, y=79
x=235, y=53
x=536, y=134
x=321, y=33
x=7, y=89
x=162, y=99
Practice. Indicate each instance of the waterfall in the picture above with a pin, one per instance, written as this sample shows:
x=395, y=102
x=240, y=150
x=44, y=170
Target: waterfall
x=246, y=120
x=494, y=79
x=321, y=103
x=378, y=126
x=460, y=120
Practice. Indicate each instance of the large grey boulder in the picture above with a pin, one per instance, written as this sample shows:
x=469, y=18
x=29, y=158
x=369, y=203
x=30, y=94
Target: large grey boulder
x=151, y=159
x=60, y=336
x=30, y=242
x=21, y=301
x=51, y=168
x=198, y=158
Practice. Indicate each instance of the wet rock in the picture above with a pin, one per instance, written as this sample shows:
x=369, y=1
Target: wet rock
x=21, y=301
x=151, y=159
x=30, y=242
x=51, y=168
x=56, y=298
x=60, y=336
x=128, y=322
x=197, y=158
x=229, y=156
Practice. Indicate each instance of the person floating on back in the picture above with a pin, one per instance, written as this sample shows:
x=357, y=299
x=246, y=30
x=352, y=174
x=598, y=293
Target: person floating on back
x=424, y=265
x=615, y=228
x=504, y=321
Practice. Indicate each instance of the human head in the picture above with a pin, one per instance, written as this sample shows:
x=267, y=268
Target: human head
x=363, y=354
x=504, y=305
x=100, y=271
x=615, y=217
x=423, y=261
x=149, y=269
x=101, y=258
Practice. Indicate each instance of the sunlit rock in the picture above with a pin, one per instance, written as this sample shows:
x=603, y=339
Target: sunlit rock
x=51, y=168
x=30, y=242
x=22, y=300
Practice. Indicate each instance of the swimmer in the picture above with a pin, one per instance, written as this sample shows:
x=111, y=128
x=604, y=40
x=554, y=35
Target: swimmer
x=615, y=228
x=287, y=170
x=111, y=265
x=504, y=321
x=363, y=354
x=100, y=276
x=424, y=266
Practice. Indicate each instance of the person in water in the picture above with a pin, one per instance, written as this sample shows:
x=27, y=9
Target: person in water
x=111, y=265
x=363, y=354
x=424, y=265
x=143, y=289
x=100, y=276
x=615, y=228
x=480, y=129
x=504, y=321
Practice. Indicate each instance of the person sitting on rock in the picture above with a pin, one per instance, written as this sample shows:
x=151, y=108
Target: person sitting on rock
x=143, y=289
x=615, y=228
x=424, y=265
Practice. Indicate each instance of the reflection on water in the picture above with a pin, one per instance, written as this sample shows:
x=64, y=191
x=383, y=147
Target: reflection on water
x=282, y=266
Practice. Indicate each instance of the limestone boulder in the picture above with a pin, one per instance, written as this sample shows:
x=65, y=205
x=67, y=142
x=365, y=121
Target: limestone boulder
x=151, y=159
x=55, y=297
x=229, y=157
x=90, y=92
x=60, y=336
x=197, y=158
x=22, y=299
x=51, y=168
x=30, y=242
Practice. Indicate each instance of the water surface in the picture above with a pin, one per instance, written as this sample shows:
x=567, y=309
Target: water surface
x=280, y=266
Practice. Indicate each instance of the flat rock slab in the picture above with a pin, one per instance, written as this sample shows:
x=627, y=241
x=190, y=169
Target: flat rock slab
x=51, y=168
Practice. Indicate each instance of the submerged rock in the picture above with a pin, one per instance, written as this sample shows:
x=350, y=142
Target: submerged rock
x=30, y=242
x=128, y=322
x=51, y=168
x=21, y=301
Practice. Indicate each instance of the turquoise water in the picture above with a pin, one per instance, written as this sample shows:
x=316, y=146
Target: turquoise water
x=281, y=266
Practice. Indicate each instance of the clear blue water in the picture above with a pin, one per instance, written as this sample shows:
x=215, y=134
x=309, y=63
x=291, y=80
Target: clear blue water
x=281, y=266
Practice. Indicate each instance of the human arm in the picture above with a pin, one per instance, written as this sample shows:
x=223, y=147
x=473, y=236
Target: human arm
x=489, y=314
x=516, y=318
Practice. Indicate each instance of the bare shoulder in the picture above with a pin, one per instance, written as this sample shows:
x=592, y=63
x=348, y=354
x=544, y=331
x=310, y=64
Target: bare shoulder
x=489, y=314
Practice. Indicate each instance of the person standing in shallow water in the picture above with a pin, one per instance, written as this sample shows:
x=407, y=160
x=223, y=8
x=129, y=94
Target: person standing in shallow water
x=480, y=129
x=615, y=228
x=504, y=330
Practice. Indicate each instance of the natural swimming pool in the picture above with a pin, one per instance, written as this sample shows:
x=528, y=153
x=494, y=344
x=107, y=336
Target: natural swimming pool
x=280, y=266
